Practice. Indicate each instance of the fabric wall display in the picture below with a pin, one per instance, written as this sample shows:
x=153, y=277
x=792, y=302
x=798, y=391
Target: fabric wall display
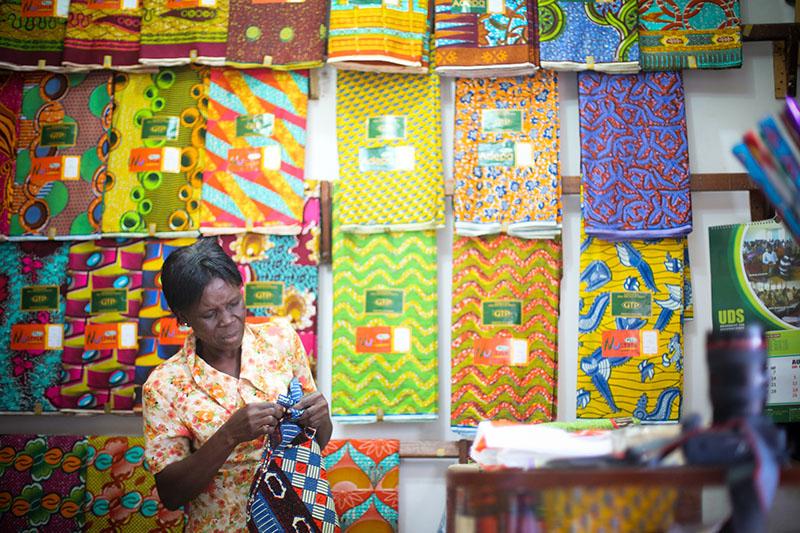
x=103, y=35
x=506, y=156
x=384, y=327
x=376, y=36
x=179, y=32
x=10, y=107
x=679, y=34
x=256, y=115
x=486, y=38
x=634, y=156
x=32, y=275
x=364, y=477
x=104, y=295
x=282, y=35
x=589, y=35
x=62, y=155
x=42, y=483
x=390, y=156
x=161, y=116
x=505, y=330
x=30, y=42
x=120, y=490
x=630, y=331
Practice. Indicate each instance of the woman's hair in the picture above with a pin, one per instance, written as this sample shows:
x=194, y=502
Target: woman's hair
x=188, y=270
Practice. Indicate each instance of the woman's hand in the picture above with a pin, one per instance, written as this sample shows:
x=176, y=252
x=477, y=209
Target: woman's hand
x=316, y=415
x=252, y=421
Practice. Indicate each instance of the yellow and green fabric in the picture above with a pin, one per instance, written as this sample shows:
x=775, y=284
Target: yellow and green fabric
x=31, y=42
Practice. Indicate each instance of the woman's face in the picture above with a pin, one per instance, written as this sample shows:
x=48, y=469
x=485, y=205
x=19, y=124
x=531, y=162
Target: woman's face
x=218, y=318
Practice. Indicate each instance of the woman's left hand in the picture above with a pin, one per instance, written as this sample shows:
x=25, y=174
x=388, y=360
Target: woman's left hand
x=315, y=414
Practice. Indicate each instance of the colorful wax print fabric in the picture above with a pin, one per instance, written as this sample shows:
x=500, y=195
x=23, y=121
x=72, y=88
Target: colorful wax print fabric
x=630, y=331
x=506, y=161
x=379, y=36
x=384, y=327
x=255, y=148
x=177, y=32
x=364, y=477
x=104, y=295
x=32, y=276
x=505, y=330
x=42, y=483
x=28, y=41
x=486, y=38
x=103, y=34
x=155, y=167
x=281, y=35
x=679, y=34
x=120, y=490
x=390, y=155
x=635, y=178
x=10, y=107
x=62, y=156
x=589, y=35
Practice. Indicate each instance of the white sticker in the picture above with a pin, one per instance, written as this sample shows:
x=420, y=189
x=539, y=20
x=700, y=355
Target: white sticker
x=404, y=157
x=519, y=352
x=71, y=165
x=130, y=4
x=649, y=342
x=62, y=8
x=127, y=335
x=208, y=3
x=391, y=2
x=171, y=160
x=272, y=157
x=523, y=154
x=401, y=340
x=495, y=6
x=54, y=339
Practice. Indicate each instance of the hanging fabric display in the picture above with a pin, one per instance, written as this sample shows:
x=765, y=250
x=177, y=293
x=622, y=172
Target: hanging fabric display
x=630, y=330
x=255, y=151
x=679, y=34
x=62, y=156
x=103, y=34
x=364, y=477
x=487, y=38
x=635, y=178
x=32, y=33
x=390, y=155
x=506, y=156
x=10, y=107
x=32, y=276
x=597, y=35
x=155, y=167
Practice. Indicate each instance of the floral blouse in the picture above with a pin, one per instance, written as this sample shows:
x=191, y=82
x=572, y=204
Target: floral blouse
x=186, y=400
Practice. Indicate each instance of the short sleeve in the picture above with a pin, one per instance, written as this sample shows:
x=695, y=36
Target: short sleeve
x=167, y=440
x=300, y=367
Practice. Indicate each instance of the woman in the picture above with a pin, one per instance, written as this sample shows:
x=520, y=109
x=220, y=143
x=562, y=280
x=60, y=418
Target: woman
x=208, y=408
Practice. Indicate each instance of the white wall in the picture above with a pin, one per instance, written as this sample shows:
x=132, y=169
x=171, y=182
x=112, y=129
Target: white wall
x=720, y=107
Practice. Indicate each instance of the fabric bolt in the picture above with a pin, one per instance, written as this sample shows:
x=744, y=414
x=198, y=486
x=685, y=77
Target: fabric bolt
x=102, y=36
x=364, y=476
x=390, y=157
x=101, y=375
x=282, y=35
x=30, y=43
x=254, y=113
x=371, y=35
x=146, y=201
x=635, y=178
x=42, y=482
x=177, y=32
x=384, y=287
x=589, y=35
x=505, y=294
x=506, y=156
x=486, y=41
x=25, y=375
x=679, y=34
x=62, y=156
x=630, y=329
x=120, y=490
x=10, y=108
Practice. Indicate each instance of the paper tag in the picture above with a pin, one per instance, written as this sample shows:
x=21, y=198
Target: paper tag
x=252, y=159
x=383, y=339
x=468, y=6
x=649, y=342
x=621, y=343
x=519, y=352
x=128, y=335
x=501, y=312
x=37, y=337
x=178, y=4
x=113, y=4
x=158, y=128
x=523, y=154
x=59, y=135
x=110, y=336
x=170, y=332
x=500, y=351
x=501, y=120
x=130, y=4
x=55, y=168
x=39, y=298
x=401, y=340
x=71, y=165
x=108, y=301
x=384, y=301
x=44, y=8
x=386, y=159
x=272, y=157
x=263, y=294
x=495, y=6
x=167, y=159
x=631, y=304
x=261, y=125
x=386, y=127
x=391, y=2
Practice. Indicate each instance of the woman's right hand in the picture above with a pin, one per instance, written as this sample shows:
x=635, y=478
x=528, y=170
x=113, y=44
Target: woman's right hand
x=253, y=421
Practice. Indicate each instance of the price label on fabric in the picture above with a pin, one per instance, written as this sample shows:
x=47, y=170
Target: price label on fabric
x=37, y=337
x=468, y=6
x=170, y=332
x=44, y=8
x=261, y=125
x=389, y=301
x=386, y=159
x=498, y=351
x=495, y=6
x=386, y=127
x=631, y=304
x=263, y=294
x=383, y=339
x=629, y=343
x=39, y=298
x=113, y=4
x=160, y=128
x=167, y=159
x=501, y=120
x=55, y=168
x=59, y=135
x=783, y=368
x=108, y=301
x=119, y=336
x=178, y=4
x=254, y=159
x=501, y=313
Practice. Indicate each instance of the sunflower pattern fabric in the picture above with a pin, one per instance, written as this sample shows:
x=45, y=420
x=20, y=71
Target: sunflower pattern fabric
x=679, y=34
x=29, y=41
x=10, y=107
x=42, y=483
x=102, y=37
x=390, y=159
x=63, y=153
x=255, y=151
x=635, y=178
x=630, y=330
x=364, y=477
x=384, y=327
x=505, y=330
x=597, y=35
x=506, y=156
x=155, y=168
